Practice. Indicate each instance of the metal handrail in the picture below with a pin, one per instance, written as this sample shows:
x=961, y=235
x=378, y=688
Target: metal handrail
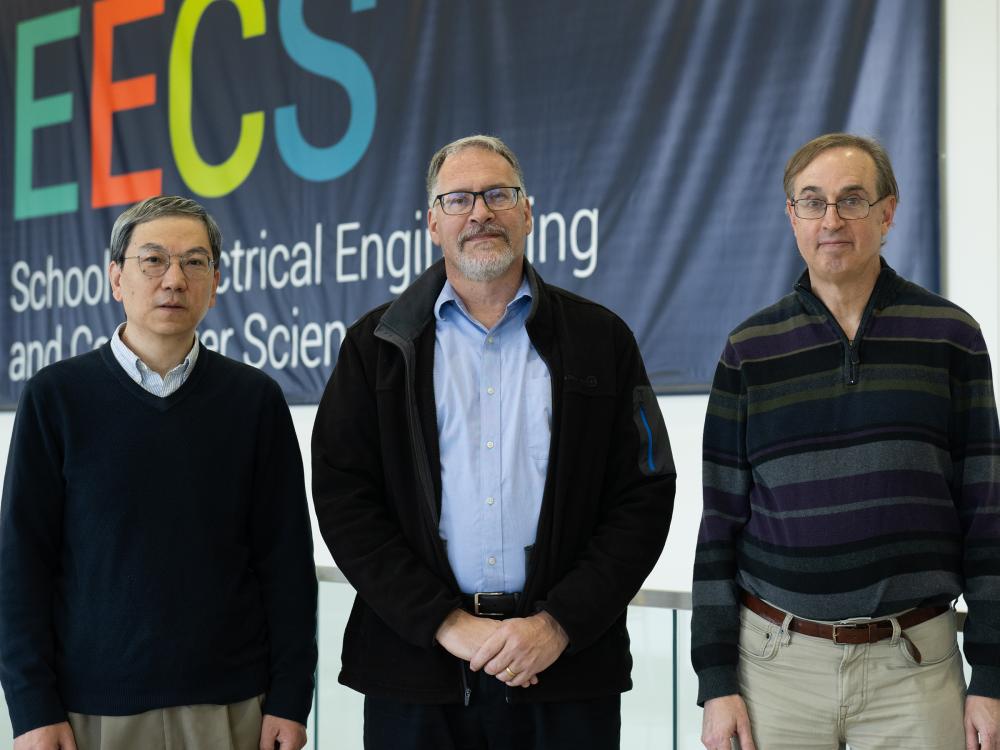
x=645, y=598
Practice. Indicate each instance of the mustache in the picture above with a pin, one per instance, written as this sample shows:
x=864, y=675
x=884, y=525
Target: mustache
x=481, y=229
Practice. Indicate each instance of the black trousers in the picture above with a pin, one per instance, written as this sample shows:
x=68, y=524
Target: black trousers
x=489, y=722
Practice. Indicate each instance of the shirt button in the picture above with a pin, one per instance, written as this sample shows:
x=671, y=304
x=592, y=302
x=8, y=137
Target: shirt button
x=489, y=443
x=491, y=390
x=489, y=339
x=490, y=501
x=491, y=560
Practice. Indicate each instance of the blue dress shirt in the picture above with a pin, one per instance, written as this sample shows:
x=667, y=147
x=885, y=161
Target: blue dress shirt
x=494, y=414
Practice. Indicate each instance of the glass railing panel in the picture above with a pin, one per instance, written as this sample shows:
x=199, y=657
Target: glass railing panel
x=688, y=713
x=658, y=713
x=648, y=708
x=6, y=740
x=338, y=710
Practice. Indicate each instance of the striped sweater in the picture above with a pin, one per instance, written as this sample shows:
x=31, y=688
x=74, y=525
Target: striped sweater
x=850, y=479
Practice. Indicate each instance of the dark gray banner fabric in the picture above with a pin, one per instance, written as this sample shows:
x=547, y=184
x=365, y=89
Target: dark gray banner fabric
x=653, y=135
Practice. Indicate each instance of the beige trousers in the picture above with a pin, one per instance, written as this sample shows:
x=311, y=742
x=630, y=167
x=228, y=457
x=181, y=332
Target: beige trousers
x=232, y=727
x=806, y=693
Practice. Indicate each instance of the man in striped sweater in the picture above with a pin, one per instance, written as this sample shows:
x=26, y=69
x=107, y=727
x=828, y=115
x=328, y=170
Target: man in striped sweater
x=852, y=493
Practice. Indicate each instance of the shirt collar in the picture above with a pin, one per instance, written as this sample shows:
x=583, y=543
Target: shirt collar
x=133, y=364
x=449, y=295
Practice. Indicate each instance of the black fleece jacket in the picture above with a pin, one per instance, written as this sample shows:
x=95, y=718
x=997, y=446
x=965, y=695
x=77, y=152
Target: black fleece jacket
x=376, y=483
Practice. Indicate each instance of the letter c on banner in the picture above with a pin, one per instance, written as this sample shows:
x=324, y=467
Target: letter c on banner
x=210, y=180
x=339, y=63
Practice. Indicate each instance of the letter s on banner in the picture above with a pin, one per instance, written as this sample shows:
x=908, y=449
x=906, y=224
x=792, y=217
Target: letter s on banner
x=339, y=63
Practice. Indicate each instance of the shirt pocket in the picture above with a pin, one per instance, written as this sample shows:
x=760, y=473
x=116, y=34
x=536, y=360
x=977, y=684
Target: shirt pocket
x=538, y=416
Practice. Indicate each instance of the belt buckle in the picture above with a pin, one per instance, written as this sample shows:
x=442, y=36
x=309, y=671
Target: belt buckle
x=475, y=602
x=868, y=627
x=846, y=626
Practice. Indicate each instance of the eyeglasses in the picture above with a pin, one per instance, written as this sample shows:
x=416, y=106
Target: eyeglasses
x=463, y=201
x=154, y=263
x=849, y=208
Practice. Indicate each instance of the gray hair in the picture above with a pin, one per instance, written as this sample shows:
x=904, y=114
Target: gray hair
x=158, y=208
x=885, y=180
x=487, y=142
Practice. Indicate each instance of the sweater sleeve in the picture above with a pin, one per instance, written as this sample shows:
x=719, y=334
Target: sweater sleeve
x=636, y=506
x=30, y=542
x=283, y=560
x=726, y=480
x=975, y=445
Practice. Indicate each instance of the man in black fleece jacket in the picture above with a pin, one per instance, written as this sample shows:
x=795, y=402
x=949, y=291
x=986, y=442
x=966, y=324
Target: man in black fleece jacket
x=157, y=586
x=492, y=473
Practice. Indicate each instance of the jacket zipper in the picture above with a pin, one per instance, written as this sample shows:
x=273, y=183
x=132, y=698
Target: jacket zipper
x=466, y=690
x=532, y=565
x=422, y=466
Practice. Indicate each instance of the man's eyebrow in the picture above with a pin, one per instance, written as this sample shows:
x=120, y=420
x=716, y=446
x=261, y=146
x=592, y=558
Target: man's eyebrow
x=484, y=190
x=846, y=189
x=161, y=248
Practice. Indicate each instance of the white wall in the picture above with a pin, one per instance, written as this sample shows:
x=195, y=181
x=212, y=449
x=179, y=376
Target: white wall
x=970, y=160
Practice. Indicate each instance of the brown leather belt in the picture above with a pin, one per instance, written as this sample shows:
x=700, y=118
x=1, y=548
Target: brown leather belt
x=848, y=633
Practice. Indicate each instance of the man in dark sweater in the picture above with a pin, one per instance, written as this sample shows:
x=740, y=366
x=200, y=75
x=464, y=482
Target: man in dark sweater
x=492, y=473
x=157, y=586
x=852, y=493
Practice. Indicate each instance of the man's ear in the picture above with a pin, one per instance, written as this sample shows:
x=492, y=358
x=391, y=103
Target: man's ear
x=432, y=225
x=115, y=276
x=888, y=214
x=215, y=286
x=790, y=213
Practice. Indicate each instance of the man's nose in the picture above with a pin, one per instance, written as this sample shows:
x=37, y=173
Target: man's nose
x=832, y=217
x=480, y=211
x=174, y=277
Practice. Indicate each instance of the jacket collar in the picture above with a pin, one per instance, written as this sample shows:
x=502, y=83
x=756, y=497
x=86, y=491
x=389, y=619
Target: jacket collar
x=413, y=310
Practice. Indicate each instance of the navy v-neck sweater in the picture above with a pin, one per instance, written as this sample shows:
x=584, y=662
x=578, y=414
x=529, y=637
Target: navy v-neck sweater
x=154, y=551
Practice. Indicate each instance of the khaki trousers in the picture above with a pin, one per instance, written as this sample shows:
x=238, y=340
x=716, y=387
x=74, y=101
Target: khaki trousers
x=806, y=693
x=232, y=727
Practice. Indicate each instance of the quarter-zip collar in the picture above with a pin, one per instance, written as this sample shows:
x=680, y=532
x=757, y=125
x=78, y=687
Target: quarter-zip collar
x=884, y=292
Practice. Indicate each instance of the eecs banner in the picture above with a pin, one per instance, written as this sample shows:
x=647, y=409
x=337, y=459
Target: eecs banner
x=652, y=137
x=109, y=95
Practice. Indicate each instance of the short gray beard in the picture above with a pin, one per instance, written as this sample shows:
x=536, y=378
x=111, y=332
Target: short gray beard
x=489, y=267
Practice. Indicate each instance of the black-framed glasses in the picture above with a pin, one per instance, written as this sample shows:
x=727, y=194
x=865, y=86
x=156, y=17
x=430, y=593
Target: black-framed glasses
x=196, y=264
x=850, y=208
x=463, y=201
